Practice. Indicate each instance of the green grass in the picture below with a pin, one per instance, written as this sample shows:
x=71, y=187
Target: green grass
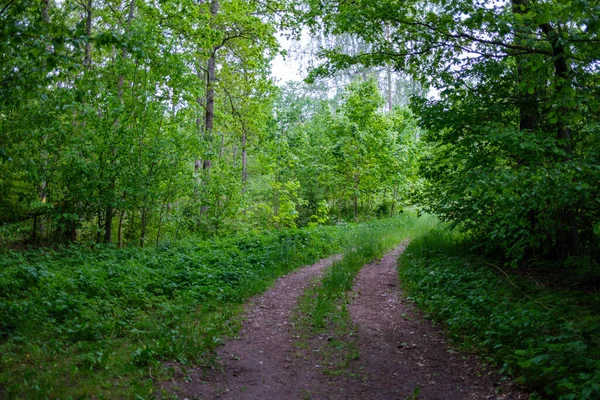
x=97, y=323
x=548, y=339
x=322, y=310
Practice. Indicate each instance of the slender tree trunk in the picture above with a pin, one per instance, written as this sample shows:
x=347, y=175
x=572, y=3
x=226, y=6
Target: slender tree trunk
x=389, y=74
x=244, y=163
x=209, y=116
x=130, y=15
x=120, y=229
x=38, y=225
x=143, y=225
x=355, y=202
x=222, y=147
x=108, y=226
x=234, y=156
x=160, y=218
x=389, y=88
x=87, y=61
x=200, y=129
x=130, y=234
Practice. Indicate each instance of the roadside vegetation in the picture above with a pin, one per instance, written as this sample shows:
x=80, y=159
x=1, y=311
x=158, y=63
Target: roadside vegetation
x=98, y=322
x=153, y=176
x=544, y=332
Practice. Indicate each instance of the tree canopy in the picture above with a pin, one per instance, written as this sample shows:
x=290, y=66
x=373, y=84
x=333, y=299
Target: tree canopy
x=513, y=149
x=162, y=118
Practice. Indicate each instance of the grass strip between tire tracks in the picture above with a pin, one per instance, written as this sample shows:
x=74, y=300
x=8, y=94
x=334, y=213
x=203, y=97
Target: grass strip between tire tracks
x=322, y=319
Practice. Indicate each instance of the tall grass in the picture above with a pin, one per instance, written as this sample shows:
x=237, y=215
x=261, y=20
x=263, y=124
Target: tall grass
x=548, y=339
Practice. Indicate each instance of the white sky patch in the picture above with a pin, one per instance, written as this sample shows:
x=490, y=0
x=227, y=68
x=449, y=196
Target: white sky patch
x=290, y=68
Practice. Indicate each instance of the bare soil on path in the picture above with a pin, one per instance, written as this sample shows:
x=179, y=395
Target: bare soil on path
x=402, y=355
x=256, y=365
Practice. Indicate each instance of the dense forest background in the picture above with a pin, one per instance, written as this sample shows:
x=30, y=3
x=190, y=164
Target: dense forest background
x=125, y=122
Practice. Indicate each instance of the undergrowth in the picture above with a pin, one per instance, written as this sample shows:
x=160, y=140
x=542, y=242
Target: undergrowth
x=98, y=323
x=548, y=339
x=322, y=317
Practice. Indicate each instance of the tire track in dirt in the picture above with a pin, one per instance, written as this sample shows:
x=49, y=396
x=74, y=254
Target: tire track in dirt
x=401, y=353
x=258, y=364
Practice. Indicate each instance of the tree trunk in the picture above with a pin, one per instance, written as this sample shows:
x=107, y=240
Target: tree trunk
x=355, y=202
x=143, y=225
x=100, y=225
x=528, y=110
x=200, y=129
x=38, y=230
x=234, y=156
x=222, y=147
x=244, y=163
x=160, y=218
x=130, y=234
x=394, y=197
x=108, y=226
x=120, y=229
x=528, y=117
x=389, y=74
x=561, y=75
x=87, y=61
x=209, y=116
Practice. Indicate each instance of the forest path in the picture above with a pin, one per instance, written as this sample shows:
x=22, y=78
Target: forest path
x=402, y=355
x=256, y=365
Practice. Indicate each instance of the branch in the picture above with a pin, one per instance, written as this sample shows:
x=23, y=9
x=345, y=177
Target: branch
x=6, y=7
x=473, y=38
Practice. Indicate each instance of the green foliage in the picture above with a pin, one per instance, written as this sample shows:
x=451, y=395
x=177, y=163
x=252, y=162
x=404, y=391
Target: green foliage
x=102, y=121
x=513, y=150
x=547, y=338
x=510, y=186
x=345, y=153
x=99, y=319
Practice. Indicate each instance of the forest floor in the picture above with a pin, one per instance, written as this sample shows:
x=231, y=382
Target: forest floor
x=402, y=355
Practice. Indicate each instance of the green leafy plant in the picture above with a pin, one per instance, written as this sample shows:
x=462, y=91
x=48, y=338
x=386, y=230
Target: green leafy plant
x=99, y=319
x=547, y=338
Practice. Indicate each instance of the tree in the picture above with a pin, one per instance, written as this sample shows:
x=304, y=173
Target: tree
x=348, y=156
x=512, y=157
x=99, y=110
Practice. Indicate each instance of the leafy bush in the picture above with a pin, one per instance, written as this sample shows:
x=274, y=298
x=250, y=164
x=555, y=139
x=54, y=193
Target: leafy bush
x=548, y=339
